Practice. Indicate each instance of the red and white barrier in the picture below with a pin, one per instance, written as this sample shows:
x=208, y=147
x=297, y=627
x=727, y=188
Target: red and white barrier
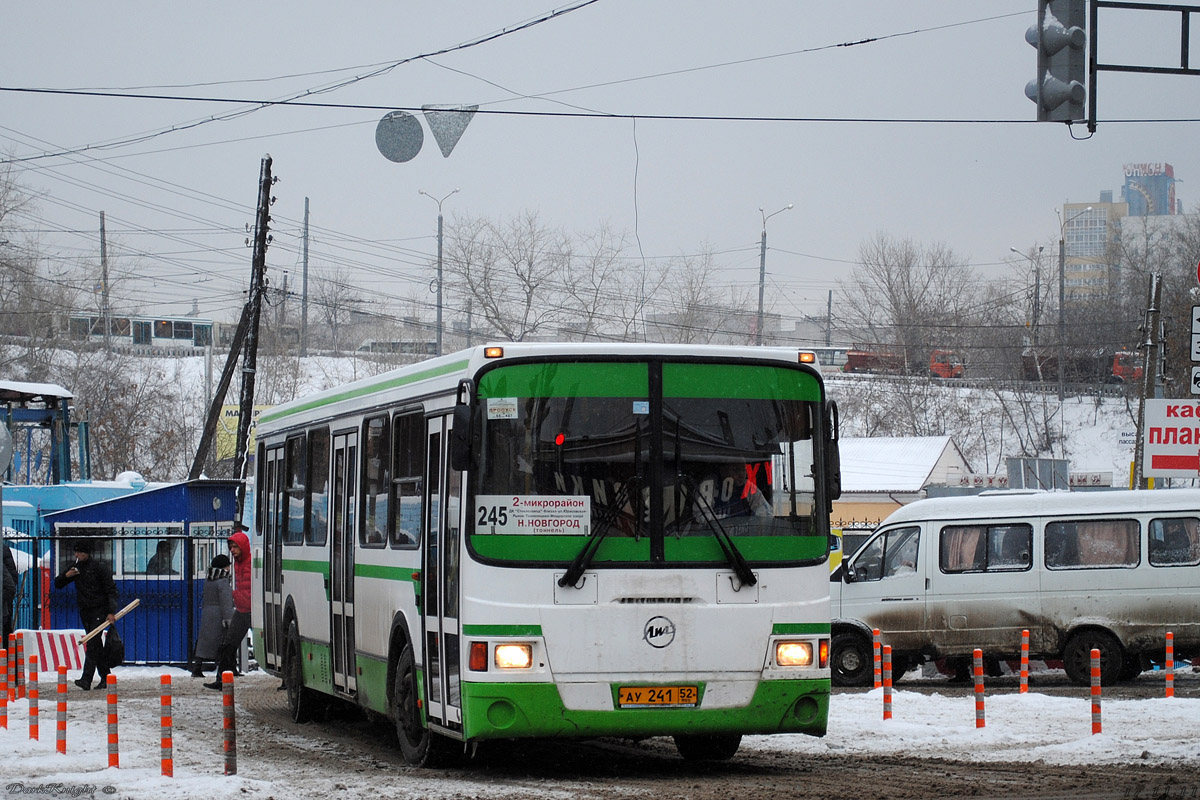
x=32, y=691
x=876, y=657
x=1096, y=726
x=887, y=681
x=114, y=750
x=1169, y=665
x=230, y=723
x=166, y=723
x=3, y=689
x=54, y=648
x=977, y=665
x=60, y=723
x=1024, y=661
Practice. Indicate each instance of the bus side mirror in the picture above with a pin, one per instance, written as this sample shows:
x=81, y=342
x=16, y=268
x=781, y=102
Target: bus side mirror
x=460, y=439
x=833, y=458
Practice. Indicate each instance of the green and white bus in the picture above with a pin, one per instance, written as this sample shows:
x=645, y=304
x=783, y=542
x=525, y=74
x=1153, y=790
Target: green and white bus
x=554, y=540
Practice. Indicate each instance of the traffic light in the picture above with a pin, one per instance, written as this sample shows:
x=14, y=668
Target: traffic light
x=1060, y=37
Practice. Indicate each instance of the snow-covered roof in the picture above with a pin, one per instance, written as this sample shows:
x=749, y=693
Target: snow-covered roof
x=899, y=464
x=24, y=390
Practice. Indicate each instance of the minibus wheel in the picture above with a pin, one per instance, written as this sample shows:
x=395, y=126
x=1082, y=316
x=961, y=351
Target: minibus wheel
x=1077, y=657
x=850, y=660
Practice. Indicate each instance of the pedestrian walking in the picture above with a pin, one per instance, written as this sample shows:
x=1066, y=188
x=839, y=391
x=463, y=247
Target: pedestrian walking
x=11, y=578
x=216, y=611
x=96, y=595
x=239, y=624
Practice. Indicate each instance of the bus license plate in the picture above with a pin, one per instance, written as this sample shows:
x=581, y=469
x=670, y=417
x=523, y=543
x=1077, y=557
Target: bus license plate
x=656, y=696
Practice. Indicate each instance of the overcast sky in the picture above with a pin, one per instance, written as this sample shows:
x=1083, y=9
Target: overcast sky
x=734, y=104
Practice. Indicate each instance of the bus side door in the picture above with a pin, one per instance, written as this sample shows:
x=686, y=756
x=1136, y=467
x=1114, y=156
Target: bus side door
x=341, y=585
x=440, y=579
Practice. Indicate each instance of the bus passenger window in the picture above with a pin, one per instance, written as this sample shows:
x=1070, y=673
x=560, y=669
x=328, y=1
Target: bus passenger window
x=1175, y=542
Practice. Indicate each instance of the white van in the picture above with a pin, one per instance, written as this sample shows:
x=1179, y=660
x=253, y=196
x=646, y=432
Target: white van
x=940, y=577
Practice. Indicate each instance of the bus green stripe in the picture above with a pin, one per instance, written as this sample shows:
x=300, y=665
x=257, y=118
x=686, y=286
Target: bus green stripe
x=739, y=381
x=298, y=565
x=502, y=630
x=795, y=628
x=361, y=391
x=386, y=573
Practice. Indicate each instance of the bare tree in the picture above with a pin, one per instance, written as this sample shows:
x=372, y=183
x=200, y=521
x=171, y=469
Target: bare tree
x=337, y=300
x=697, y=307
x=913, y=297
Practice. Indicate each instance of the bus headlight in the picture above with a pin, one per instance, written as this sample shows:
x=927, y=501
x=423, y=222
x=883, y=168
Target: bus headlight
x=514, y=656
x=793, y=654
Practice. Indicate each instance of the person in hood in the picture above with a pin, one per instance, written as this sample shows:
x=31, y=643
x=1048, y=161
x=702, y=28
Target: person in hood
x=96, y=594
x=216, y=612
x=239, y=624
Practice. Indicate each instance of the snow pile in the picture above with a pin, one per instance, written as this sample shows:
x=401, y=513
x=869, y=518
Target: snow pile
x=1034, y=728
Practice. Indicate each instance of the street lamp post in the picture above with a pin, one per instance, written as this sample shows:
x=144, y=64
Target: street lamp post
x=762, y=269
x=439, y=264
x=1062, y=282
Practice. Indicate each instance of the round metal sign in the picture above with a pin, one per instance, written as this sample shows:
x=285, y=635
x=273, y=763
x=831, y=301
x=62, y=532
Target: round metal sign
x=6, y=447
x=399, y=136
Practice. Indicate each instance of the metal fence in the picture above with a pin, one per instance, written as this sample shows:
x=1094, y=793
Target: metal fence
x=159, y=566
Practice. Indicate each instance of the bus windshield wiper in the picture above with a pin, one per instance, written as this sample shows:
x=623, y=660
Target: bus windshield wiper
x=732, y=554
x=608, y=519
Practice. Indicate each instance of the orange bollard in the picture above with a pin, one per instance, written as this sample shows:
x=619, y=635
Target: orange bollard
x=114, y=752
x=1169, y=665
x=60, y=722
x=32, y=691
x=887, y=681
x=12, y=667
x=877, y=660
x=20, y=683
x=230, y=723
x=977, y=664
x=3, y=689
x=166, y=745
x=1024, y=661
x=1096, y=726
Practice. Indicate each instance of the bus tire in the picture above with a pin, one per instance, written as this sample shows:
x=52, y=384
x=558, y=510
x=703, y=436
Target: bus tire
x=850, y=660
x=302, y=702
x=708, y=747
x=411, y=733
x=1077, y=657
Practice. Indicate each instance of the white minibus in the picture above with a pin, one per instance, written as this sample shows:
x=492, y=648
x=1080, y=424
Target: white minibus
x=1078, y=570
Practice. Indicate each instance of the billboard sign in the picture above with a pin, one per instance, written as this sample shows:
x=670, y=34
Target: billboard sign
x=1171, y=444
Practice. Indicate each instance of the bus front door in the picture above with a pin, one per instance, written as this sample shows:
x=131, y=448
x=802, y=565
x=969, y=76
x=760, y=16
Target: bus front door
x=440, y=581
x=341, y=584
x=274, y=519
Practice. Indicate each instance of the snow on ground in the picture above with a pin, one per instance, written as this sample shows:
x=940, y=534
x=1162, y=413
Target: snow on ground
x=1035, y=728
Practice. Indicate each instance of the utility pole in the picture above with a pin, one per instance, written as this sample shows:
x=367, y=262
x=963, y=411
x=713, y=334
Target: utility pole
x=829, y=319
x=304, y=290
x=1150, y=362
x=762, y=269
x=105, y=312
x=439, y=264
x=239, y=343
x=258, y=284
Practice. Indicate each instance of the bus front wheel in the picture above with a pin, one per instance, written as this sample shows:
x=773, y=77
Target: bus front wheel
x=302, y=702
x=708, y=747
x=850, y=660
x=411, y=732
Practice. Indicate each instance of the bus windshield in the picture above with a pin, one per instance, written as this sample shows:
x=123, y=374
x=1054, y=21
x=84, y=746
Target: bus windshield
x=656, y=462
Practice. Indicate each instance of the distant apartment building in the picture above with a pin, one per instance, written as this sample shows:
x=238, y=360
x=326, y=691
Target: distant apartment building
x=1095, y=233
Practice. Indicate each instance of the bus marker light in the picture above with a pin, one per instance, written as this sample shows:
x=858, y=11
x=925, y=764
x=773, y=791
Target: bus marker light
x=493, y=352
x=514, y=656
x=793, y=654
x=807, y=358
x=823, y=653
x=478, y=658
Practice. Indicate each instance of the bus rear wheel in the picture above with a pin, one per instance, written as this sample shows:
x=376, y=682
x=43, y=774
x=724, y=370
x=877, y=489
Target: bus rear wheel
x=708, y=747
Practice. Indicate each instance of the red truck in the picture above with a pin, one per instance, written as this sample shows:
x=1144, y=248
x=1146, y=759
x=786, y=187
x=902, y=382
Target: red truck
x=942, y=363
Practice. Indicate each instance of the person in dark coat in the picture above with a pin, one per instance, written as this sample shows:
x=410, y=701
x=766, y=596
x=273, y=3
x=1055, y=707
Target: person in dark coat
x=216, y=609
x=96, y=594
x=239, y=549
x=11, y=581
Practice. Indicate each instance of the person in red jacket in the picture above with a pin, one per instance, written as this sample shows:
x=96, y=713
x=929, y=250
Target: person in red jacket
x=239, y=551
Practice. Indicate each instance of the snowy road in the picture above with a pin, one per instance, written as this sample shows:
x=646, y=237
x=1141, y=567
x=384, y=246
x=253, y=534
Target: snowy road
x=1037, y=744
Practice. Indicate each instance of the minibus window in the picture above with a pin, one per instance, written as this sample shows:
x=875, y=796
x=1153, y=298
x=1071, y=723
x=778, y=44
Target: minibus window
x=980, y=548
x=1175, y=542
x=1093, y=544
x=891, y=553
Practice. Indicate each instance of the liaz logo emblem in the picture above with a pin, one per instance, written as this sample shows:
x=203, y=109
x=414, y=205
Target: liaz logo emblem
x=659, y=632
